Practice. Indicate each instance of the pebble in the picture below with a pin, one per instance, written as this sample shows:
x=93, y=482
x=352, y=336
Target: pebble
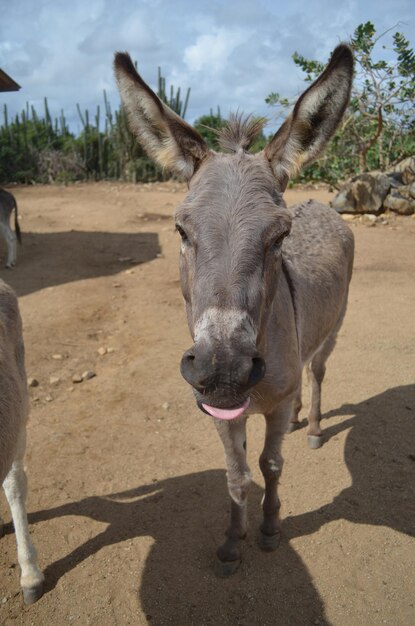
x=49, y=398
x=129, y=271
x=54, y=380
x=165, y=406
x=88, y=374
x=76, y=378
x=57, y=357
x=32, y=382
x=110, y=350
x=368, y=219
x=102, y=350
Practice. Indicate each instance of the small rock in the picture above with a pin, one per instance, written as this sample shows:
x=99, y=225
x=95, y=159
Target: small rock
x=4, y=600
x=88, y=374
x=76, y=378
x=368, y=219
x=48, y=398
x=71, y=388
x=160, y=255
x=102, y=350
x=32, y=382
x=110, y=350
x=165, y=406
x=116, y=285
x=129, y=271
x=57, y=357
x=348, y=217
x=54, y=380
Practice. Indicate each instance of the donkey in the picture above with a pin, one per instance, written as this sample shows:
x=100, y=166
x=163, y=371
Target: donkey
x=13, y=418
x=265, y=286
x=7, y=205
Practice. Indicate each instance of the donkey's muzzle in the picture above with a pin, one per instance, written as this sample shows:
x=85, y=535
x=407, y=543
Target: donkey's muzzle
x=230, y=376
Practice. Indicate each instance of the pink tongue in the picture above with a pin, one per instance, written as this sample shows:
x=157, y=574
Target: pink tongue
x=226, y=414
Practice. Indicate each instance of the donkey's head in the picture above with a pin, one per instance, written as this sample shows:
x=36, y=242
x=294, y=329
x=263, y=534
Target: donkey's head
x=232, y=223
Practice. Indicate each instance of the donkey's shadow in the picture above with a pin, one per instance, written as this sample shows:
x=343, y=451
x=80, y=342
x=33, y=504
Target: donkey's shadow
x=380, y=456
x=186, y=515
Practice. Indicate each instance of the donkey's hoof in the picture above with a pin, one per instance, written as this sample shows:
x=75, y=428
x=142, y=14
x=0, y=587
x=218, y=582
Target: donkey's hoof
x=269, y=543
x=32, y=594
x=292, y=426
x=224, y=569
x=314, y=441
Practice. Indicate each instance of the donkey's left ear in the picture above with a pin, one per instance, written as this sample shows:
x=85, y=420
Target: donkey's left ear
x=314, y=119
x=164, y=135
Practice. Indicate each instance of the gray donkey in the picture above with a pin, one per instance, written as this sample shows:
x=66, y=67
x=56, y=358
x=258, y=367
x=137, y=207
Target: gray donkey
x=7, y=205
x=13, y=418
x=265, y=286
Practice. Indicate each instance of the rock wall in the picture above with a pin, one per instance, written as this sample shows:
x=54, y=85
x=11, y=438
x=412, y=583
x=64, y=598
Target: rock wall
x=376, y=192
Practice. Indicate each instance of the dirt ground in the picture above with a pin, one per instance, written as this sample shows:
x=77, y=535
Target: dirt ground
x=128, y=499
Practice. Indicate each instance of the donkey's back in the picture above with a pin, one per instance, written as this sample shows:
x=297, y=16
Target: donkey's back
x=319, y=255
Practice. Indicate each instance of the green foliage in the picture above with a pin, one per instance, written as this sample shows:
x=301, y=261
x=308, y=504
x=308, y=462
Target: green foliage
x=378, y=128
x=208, y=126
x=36, y=148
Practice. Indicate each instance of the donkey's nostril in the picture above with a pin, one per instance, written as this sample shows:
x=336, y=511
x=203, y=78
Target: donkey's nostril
x=257, y=371
x=187, y=366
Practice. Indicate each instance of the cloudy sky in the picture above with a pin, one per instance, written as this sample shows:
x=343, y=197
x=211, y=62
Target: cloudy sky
x=231, y=53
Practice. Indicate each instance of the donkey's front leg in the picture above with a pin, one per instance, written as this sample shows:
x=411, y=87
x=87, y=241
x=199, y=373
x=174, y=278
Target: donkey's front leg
x=233, y=435
x=271, y=463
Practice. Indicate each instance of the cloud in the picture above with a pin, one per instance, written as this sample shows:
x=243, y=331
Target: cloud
x=231, y=54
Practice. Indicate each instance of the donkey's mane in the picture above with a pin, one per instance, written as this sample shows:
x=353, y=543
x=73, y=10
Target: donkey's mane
x=240, y=132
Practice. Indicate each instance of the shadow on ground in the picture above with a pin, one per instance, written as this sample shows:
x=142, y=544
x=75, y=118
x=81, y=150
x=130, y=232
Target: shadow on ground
x=380, y=456
x=186, y=515
x=49, y=259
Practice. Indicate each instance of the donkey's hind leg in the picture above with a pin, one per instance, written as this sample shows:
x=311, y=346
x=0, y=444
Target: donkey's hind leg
x=15, y=488
x=316, y=370
x=296, y=407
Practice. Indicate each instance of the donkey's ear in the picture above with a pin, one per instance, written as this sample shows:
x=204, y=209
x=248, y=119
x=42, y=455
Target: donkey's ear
x=314, y=119
x=165, y=136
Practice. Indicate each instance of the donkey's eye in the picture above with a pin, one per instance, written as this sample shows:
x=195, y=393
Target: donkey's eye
x=182, y=233
x=276, y=246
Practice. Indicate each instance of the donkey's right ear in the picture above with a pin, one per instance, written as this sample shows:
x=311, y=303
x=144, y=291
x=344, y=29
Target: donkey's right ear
x=164, y=135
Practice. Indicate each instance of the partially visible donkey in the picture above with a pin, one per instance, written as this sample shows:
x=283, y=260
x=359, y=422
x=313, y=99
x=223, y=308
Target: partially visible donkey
x=13, y=418
x=265, y=286
x=7, y=205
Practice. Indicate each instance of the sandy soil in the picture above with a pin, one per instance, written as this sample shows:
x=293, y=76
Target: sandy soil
x=127, y=485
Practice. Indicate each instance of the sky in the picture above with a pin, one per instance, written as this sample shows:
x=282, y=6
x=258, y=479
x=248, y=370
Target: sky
x=231, y=53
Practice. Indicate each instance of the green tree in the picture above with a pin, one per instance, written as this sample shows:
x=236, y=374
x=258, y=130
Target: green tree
x=378, y=128
x=208, y=126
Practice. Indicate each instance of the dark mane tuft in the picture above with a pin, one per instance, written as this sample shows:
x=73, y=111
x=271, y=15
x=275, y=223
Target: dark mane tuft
x=240, y=132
